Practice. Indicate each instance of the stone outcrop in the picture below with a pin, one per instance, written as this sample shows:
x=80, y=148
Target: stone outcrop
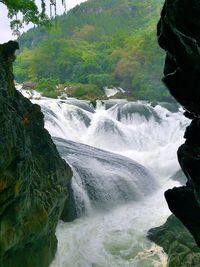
x=177, y=242
x=33, y=177
x=179, y=36
x=180, y=177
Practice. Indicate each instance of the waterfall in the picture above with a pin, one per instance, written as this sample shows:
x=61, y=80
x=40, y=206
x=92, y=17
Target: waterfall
x=122, y=155
x=103, y=179
x=136, y=130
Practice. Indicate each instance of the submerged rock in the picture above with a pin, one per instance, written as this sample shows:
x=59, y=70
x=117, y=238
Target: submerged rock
x=112, y=181
x=33, y=177
x=171, y=106
x=126, y=110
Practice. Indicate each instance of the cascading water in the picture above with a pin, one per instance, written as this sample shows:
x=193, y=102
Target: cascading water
x=102, y=179
x=116, y=198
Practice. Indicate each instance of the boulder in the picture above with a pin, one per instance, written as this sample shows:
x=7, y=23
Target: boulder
x=29, y=85
x=177, y=242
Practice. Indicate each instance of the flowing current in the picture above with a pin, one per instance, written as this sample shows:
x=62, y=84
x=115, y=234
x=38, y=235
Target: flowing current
x=122, y=155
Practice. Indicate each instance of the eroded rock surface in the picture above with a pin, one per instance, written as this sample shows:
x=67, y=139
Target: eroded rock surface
x=33, y=177
x=179, y=36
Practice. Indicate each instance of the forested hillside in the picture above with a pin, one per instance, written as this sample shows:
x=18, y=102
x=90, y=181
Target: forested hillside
x=98, y=43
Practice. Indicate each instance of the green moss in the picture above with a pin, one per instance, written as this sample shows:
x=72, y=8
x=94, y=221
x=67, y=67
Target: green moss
x=177, y=242
x=37, y=253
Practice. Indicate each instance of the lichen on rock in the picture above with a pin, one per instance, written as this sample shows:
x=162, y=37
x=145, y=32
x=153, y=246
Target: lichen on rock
x=33, y=177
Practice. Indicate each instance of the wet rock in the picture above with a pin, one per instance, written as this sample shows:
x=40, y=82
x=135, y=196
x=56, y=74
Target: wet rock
x=178, y=35
x=180, y=177
x=183, y=204
x=33, y=177
x=29, y=85
x=177, y=242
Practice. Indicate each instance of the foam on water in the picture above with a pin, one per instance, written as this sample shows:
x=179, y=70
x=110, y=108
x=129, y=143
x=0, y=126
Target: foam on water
x=103, y=180
x=114, y=239
x=113, y=91
x=150, y=136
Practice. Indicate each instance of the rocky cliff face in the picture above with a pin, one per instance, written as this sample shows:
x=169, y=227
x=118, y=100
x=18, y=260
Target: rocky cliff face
x=33, y=177
x=179, y=36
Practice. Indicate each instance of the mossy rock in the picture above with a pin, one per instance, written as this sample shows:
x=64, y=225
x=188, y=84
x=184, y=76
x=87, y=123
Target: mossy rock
x=33, y=179
x=177, y=242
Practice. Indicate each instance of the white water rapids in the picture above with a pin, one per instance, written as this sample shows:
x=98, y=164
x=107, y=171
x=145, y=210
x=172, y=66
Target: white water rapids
x=122, y=155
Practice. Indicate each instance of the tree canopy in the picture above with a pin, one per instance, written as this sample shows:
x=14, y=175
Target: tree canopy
x=100, y=43
x=29, y=11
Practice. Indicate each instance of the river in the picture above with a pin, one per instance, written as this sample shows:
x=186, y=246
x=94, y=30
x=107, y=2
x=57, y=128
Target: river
x=122, y=155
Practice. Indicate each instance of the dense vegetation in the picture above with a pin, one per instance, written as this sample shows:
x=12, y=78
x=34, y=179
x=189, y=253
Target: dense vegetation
x=29, y=12
x=98, y=43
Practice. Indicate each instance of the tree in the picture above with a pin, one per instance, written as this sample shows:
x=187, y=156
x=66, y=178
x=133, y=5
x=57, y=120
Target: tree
x=30, y=12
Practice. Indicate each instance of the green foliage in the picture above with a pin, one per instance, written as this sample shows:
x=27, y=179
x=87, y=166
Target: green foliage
x=101, y=80
x=50, y=87
x=29, y=11
x=47, y=87
x=102, y=43
x=87, y=90
x=47, y=84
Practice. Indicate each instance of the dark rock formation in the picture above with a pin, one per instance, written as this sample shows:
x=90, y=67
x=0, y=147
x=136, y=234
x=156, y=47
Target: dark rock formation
x=183, y=204
x=33, y=177
x=179, y=35
x=180, y=177
x=177, y=242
